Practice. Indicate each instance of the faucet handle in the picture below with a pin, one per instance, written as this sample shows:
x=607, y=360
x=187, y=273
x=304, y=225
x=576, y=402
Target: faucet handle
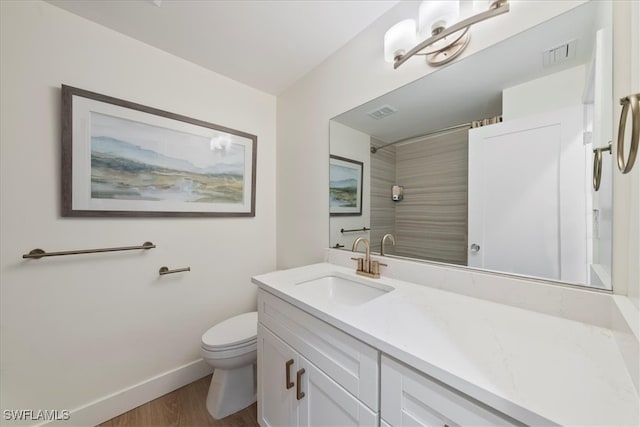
x=360, y=263
x=375, y=267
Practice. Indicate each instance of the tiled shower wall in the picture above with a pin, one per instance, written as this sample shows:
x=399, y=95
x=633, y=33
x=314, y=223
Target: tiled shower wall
x=383, y=209
x=431, y=221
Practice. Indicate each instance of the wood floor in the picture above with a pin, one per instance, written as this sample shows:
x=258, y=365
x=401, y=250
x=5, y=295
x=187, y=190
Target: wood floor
x=184, y=407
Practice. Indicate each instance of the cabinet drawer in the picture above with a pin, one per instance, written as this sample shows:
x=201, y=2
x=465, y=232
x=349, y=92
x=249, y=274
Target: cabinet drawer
x=348, y=361
x=410, y=398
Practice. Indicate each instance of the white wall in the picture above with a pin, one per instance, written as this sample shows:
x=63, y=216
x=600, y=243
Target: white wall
x=553, y=92
x=626, y=190
x=634, y=179
x=352, y=144
x=77, y=329
x=602, y=69
x=353, y=75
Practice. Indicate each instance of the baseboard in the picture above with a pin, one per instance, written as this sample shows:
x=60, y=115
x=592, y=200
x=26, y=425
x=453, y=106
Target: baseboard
x=104, y=409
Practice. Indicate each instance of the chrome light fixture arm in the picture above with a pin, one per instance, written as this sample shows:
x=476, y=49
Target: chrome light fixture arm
x=499, y=8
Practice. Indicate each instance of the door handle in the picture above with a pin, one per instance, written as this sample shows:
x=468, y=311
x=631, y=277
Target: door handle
x=475, y=248
x=287, y=369
x=299, y=393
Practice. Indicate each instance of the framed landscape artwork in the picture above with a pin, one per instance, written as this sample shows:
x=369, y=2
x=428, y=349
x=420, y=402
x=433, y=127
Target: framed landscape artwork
x=125, y=159
x=345, y=186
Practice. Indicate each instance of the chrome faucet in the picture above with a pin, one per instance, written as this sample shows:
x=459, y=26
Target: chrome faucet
x=393, y=241
x=366, y=267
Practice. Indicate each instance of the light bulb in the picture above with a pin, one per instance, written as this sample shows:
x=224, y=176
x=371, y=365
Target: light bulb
x=435, y=15
x=399, y=39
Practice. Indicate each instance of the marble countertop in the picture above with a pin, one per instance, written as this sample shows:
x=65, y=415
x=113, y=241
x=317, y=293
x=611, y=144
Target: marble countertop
x=537, y=368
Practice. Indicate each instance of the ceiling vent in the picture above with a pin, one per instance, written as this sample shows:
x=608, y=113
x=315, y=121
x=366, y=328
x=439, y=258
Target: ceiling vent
x=559, y=54
x=382, y=112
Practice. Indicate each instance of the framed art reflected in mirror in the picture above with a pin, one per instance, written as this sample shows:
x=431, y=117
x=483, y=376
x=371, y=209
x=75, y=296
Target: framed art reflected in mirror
x=345, y=186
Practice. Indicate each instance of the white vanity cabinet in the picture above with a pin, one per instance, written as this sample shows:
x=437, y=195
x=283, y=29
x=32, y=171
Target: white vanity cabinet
x=421, y=356
x=304, y=397
x=410, y=398
x=310, y=373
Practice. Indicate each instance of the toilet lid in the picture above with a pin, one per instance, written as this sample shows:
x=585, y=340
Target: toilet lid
x=237, y=330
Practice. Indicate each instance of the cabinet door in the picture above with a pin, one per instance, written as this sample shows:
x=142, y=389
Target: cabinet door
x=348, y=361
x=409, y=398
x=325, y=403
x=276, y=402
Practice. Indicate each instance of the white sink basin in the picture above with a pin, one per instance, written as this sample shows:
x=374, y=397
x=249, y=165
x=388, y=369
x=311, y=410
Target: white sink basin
x=341, y=290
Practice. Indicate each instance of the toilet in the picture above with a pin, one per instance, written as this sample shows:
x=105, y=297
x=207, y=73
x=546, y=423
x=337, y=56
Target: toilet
x=230, y=347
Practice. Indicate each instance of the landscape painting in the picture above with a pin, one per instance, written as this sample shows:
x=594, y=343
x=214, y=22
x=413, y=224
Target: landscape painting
x=345, y=186
x=125, y=159
x=137, y=161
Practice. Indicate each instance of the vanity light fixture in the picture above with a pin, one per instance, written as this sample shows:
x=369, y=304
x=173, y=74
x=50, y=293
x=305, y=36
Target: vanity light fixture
x=443, y=39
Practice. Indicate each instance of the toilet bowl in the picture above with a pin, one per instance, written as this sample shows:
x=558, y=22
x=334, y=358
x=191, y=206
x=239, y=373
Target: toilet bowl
x=230, y=347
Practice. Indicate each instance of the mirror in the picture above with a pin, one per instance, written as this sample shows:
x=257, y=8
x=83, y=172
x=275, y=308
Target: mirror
x=491, y=157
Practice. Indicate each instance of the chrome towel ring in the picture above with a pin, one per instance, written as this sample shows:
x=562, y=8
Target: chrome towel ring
x=630, y=102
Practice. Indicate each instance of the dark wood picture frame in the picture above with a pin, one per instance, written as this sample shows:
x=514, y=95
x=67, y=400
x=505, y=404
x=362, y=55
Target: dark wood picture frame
x=345, y=195
x=220, y=200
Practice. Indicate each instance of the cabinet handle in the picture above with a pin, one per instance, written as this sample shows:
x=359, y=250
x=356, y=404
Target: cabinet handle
x=287, y=369
x=299, y=393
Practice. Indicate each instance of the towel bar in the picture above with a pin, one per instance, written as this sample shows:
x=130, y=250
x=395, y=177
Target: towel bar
x=41, y=253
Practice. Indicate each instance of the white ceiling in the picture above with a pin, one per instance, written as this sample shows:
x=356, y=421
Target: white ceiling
x=266, y=44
